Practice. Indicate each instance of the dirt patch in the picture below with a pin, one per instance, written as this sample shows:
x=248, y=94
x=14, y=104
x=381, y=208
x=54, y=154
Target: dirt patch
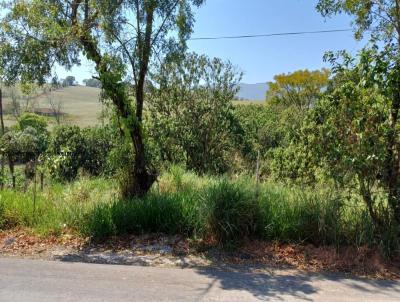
x=176, y=251
x=23, y=243
x=362, y=262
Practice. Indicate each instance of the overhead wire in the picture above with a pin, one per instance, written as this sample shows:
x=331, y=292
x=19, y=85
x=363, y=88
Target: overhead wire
x=271, y=35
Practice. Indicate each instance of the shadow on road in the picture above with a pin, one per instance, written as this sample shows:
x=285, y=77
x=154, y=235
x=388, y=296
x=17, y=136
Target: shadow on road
x=295, y=284
x=259, y=281
x=263, y=285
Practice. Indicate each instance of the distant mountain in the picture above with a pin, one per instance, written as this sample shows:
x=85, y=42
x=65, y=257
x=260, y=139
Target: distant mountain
x=254, y=92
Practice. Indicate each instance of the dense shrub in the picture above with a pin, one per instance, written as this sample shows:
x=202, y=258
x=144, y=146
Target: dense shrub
x=99, y=141
x=67, y=152
x=191, y=113
x=72, y=148
x=32, y=120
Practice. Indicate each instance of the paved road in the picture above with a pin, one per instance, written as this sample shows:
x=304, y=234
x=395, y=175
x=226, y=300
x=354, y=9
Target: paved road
x=31, y=281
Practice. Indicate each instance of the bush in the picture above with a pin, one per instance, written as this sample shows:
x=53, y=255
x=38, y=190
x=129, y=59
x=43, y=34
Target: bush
x=67, y=152
x=99, y=141
x=72, y=149
x=32, y=120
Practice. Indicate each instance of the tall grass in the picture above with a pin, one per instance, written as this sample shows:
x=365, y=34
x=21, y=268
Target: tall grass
x=58, y=207
x=183, y=203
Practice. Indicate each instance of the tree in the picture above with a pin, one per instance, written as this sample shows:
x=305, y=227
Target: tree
x=32, y=120
x=69, y=81
x=15, y=104
x=22, y=145
x=291, y=95
x=289, y=99
x=29, y=92
x=121, y=38
x=56, y=106
x=55, y=83
x=349, y=131
x=71, y=148
x=382, y=17
x=66, y=152
x=92, y=83
x=192, y=113
x=262, y=131
x=300, y=89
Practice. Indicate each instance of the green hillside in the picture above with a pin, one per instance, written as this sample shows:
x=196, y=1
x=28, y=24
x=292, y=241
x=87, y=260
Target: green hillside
x=81, y=104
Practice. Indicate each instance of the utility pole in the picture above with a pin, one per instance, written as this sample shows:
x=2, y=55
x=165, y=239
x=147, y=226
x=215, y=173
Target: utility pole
x=2, y=133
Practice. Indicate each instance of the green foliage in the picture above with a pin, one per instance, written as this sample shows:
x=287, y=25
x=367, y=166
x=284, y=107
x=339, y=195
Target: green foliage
x=318, y=217
x=379, y=17
x=57, y=207
x=272, y=129
x=192, y=114
x=232, y=212
x=66, y=152
x=202, y=207
x=32, y=120
x=262, y=132
x=260, y=126
x=61, y=30
x=347, y=132
x=71, y=149
x=92, y=83
x=99, y=141
x=23, y=145
x=300, y=89
x=68, y=81
x=294, y=163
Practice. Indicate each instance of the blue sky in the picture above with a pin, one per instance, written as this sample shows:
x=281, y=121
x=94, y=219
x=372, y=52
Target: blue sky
x=261, y=58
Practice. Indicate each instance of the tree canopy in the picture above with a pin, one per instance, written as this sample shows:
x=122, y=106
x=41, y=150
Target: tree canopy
x=124, y=39
x=382, y=17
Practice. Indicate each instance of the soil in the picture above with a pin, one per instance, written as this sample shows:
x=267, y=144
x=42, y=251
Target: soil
x=176, y=251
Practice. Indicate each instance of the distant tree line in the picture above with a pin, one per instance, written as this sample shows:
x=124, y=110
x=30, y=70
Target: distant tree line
x=92, y=83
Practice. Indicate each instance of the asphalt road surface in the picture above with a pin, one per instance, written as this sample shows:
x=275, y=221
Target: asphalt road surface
x=34, y=281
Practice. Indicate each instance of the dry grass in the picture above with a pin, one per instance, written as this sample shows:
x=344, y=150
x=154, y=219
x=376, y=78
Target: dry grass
x=248, y=102
x=81, y=104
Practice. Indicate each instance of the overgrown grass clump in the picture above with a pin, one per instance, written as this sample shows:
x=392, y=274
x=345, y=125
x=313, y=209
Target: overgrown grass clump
x=225, y=210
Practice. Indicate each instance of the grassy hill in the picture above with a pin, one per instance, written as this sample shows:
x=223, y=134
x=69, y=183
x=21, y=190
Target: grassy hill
x=81, y=104
x=248, y=102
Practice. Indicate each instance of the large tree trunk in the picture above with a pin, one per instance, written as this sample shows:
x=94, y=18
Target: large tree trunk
x=141, y=176
x=367, y=197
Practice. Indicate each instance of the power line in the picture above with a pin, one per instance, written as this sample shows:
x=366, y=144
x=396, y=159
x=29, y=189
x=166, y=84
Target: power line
x=273, y=35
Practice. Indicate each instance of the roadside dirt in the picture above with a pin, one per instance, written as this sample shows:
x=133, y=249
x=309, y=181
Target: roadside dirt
x=176, y=251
